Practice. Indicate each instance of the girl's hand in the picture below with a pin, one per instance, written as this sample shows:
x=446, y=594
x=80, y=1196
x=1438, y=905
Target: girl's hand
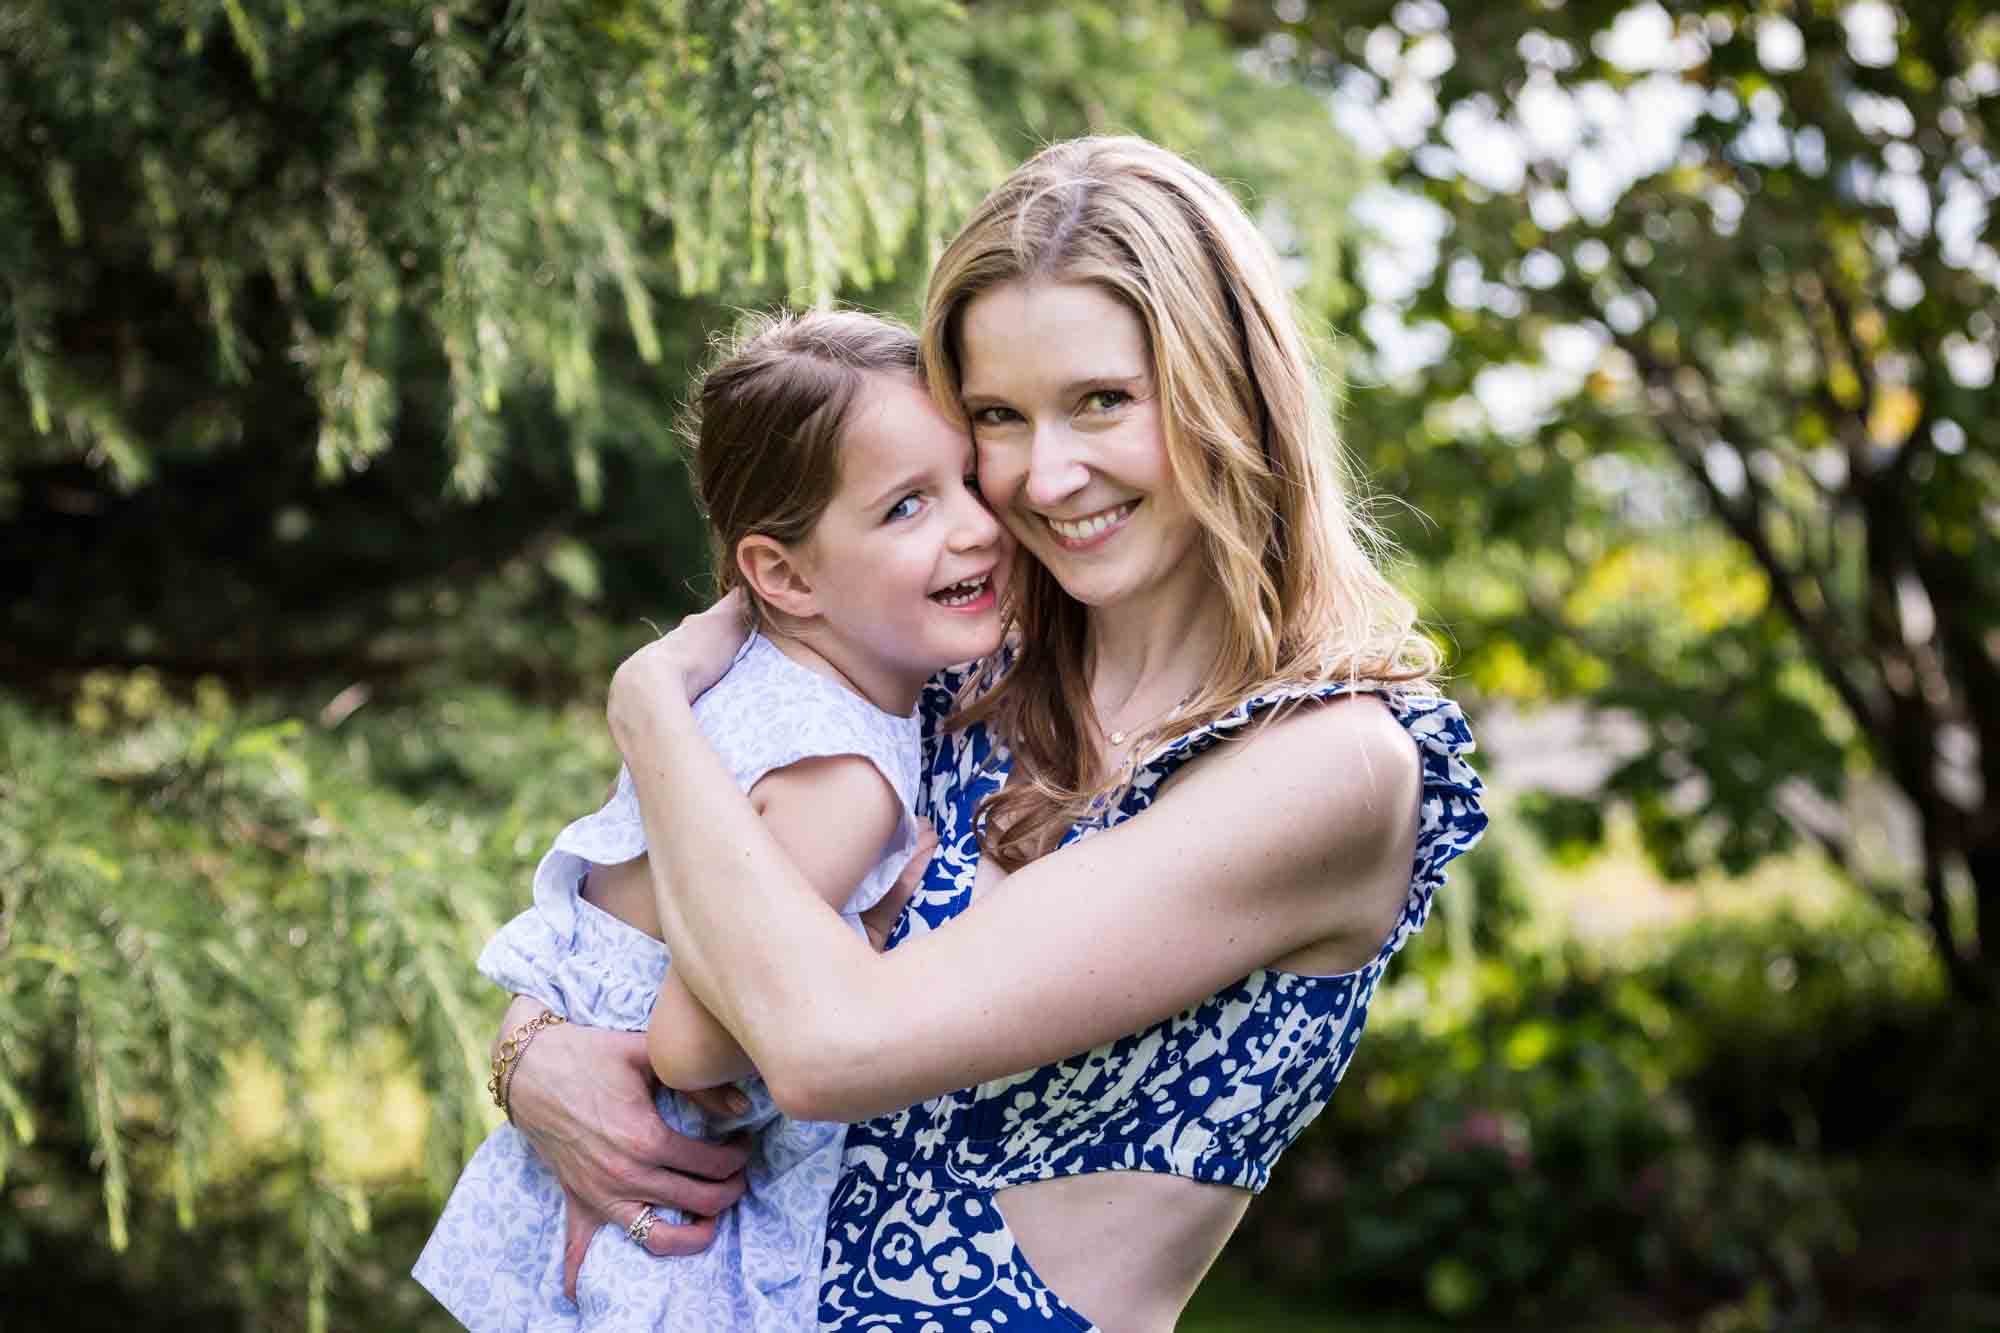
x=584, y=1098
x=880, y=919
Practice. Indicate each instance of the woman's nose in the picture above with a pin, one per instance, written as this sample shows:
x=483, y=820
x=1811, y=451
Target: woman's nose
x=1055, y=468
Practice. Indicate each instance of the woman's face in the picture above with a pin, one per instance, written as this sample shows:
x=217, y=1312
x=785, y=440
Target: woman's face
x=1057, y=379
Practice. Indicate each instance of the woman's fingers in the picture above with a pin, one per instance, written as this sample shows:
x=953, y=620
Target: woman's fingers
x=662, y=1239
x=711, y=639
x=667, y=1239
x=579, y=1229
x=685, y=662
x=674, y=1189
x=655, y=1145
x=702, y=646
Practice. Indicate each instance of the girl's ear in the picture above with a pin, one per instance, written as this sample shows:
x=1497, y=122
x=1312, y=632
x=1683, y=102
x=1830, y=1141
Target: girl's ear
x=778, y=576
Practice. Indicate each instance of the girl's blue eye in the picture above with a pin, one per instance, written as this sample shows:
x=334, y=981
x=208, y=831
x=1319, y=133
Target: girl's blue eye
x=992, y=416
x=903, y=508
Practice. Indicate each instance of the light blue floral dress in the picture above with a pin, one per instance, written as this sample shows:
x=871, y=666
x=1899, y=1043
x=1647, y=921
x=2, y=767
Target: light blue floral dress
x=1216, y=1093
x=495, y=1260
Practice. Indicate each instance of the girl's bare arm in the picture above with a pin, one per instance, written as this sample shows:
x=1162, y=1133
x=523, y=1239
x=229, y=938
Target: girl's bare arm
x=831, y=818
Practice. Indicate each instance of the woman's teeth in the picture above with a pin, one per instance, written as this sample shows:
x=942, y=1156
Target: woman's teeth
x=961, y=594
x=1083, y=529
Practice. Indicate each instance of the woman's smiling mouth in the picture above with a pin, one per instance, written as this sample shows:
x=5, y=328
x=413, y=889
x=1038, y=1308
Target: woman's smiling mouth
x=1075, y=533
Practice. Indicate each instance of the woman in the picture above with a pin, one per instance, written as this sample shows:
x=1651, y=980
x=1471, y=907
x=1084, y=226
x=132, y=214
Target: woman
x=1184, y=989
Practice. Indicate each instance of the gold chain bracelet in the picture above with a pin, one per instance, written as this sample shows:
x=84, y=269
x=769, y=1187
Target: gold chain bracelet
x=508, y=1057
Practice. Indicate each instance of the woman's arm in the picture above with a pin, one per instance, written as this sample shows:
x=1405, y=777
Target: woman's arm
x=1300, y=834
x=832, y=817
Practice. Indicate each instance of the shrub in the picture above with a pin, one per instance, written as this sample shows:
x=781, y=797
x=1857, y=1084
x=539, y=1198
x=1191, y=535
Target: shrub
x=1546, y=1138
x=237, y=1006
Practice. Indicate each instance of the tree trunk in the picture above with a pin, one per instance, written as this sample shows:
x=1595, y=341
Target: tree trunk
x=1982, y=862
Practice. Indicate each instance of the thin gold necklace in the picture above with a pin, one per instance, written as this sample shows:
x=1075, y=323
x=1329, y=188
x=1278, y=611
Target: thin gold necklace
x=1118, y=737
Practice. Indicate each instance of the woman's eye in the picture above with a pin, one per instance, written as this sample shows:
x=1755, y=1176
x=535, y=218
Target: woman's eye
x=994, y=416
x=1106, y=400
x=904, y=508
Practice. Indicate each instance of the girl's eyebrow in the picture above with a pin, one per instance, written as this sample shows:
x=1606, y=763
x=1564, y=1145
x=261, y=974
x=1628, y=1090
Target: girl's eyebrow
x=913, y=481
x=917, y=478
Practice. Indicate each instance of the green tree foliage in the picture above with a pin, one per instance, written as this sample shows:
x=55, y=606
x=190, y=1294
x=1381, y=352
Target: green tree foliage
x=444, y=242
x=267, y=187
x=295, y=360
x=339, y=345
x=1703, y=419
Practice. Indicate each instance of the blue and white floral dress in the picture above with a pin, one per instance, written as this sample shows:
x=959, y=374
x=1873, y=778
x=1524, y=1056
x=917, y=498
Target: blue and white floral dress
x=496, y=1258
x=1216, y=1093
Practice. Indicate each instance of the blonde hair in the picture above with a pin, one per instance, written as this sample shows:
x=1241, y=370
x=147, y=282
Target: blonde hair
x=1251, y=444
x=765, y=420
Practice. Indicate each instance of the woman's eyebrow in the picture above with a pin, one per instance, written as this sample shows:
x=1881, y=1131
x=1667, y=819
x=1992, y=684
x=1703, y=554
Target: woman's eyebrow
x=1075, y=387
x=1067, y=389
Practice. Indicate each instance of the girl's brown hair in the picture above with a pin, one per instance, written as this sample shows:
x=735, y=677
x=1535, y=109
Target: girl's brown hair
x=766, y=418
x=1251, y=445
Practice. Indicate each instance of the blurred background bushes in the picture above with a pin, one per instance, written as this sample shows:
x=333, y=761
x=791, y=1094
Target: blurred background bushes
x=339, y=350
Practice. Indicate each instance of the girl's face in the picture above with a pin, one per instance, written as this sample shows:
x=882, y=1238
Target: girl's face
x=907, y=564
x=1058, y=384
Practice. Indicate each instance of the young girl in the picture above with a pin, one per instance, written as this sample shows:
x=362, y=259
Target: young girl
x=841, y=501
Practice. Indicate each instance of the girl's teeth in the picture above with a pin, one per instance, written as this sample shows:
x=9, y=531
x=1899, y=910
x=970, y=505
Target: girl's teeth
x=1083, y=529
x=961, y=594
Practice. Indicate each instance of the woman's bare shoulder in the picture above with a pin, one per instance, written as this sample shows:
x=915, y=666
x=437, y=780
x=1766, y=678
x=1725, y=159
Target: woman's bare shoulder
x=1348, y=747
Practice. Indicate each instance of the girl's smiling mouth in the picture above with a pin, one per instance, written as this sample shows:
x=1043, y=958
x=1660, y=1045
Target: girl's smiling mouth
x=972, y=594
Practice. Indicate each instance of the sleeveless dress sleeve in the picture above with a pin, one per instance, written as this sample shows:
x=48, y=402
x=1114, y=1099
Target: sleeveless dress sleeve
x=1451, y=817
x=774, y=713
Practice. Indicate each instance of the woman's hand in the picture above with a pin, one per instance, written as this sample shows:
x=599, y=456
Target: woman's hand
x=685, y=661
x=584, y=1098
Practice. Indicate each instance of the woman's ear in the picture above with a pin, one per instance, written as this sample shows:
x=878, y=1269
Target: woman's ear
x=778, y=576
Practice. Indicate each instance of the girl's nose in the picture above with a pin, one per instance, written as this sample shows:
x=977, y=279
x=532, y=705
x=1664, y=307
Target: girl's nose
x=973, y=524
x=1055, y=468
